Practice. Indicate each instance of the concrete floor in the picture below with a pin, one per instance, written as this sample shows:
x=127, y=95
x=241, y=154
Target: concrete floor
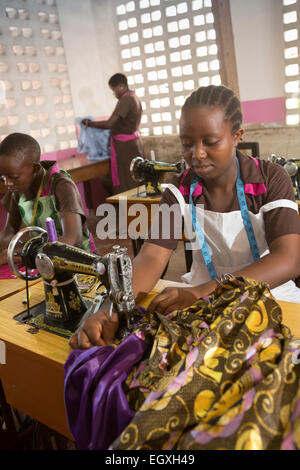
x=176, y=266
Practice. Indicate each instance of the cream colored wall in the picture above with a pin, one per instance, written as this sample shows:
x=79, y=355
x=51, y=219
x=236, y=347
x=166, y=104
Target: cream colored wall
x=258, y=41
x=281, y=141
x=92, y=53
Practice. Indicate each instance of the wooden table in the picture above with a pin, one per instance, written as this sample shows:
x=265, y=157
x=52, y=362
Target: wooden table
x=139, y=196
x=33, y=373
x=10, y=287
x=82, y=170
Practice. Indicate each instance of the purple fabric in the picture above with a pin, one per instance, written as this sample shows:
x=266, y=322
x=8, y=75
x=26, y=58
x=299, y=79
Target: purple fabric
x=51, y=230
x=96, y=405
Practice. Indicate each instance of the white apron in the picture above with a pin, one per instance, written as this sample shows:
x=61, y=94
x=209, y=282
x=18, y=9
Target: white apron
x=227, y=238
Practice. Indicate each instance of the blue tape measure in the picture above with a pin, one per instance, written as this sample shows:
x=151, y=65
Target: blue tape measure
x=246, y=220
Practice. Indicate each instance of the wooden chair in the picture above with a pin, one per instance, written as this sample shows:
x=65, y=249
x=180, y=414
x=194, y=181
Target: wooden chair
x=252, y=146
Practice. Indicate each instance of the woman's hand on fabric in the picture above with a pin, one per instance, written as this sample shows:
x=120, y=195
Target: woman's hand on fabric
x=96, y=330
x=173, y=298
x=86, y=122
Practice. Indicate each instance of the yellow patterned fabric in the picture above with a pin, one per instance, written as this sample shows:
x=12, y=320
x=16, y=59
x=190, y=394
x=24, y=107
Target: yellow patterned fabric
x=221, y=374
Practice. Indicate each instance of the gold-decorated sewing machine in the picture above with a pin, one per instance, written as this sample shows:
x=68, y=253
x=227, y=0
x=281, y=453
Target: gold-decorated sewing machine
x=149, y=171
x=59, y=264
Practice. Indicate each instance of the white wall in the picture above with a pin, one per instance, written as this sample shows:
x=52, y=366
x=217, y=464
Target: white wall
x=92, y=53
x=258, y=38
x=92, y=50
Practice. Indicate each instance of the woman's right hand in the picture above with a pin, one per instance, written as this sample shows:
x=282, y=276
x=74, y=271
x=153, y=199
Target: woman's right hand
x=97, y=330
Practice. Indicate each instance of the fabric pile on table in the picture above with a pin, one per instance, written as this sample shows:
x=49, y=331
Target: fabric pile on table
x=221, y=374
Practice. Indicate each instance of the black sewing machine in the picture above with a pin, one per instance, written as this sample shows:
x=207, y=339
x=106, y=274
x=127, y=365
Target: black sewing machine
x=148, y=172
x=292, y=166
x=58, y=264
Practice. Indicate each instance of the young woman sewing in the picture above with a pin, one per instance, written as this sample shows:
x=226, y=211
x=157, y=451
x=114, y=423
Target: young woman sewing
x=251, y=226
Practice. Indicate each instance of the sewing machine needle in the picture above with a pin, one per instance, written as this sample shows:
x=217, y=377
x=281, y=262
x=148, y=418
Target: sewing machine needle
x=94, y=307
x=110, y=310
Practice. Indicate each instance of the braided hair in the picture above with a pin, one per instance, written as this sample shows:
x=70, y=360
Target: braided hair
x=218, y=96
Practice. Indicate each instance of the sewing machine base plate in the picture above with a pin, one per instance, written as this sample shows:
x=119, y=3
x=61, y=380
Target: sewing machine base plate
x=35, y=320
x=145, y=194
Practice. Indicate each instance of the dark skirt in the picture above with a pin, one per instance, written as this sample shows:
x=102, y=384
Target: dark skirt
x=125, y=152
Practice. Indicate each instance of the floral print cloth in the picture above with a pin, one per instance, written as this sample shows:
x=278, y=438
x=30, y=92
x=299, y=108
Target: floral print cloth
x=223, y=373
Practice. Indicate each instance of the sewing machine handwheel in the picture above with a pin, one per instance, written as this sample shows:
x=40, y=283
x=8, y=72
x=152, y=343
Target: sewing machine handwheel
x=28, y=233
x=136, y=174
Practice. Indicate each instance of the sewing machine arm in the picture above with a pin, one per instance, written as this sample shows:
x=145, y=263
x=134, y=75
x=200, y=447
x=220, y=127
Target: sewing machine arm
x=57, y=263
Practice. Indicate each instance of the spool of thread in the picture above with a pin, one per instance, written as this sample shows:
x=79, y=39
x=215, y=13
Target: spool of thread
x=152, y=155
x=24, y=301
x=51, y=230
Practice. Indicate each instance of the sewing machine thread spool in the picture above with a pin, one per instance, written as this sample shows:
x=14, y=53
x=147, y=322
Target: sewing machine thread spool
x=51, y=230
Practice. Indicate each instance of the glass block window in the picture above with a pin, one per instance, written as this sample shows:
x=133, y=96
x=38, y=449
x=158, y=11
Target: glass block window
x=175, y=53
x=291, y=31
x=35, y=95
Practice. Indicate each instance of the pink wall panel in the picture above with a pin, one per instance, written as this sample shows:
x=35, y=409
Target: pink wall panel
x=264, y=111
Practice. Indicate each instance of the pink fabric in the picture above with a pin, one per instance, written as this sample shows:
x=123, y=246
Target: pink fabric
x=256, y=162
x=185, y=190
x=54, y=170
x=92, y=243
x=255, y=188
x=60, y=154
x=250, y=188
x=113, y=156
x=5, y=272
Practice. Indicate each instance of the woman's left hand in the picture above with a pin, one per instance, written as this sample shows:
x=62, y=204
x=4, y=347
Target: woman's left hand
x=86, y=122
x=173, y=298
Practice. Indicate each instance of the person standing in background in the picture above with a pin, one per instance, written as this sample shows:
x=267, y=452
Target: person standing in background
x=125, y=138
